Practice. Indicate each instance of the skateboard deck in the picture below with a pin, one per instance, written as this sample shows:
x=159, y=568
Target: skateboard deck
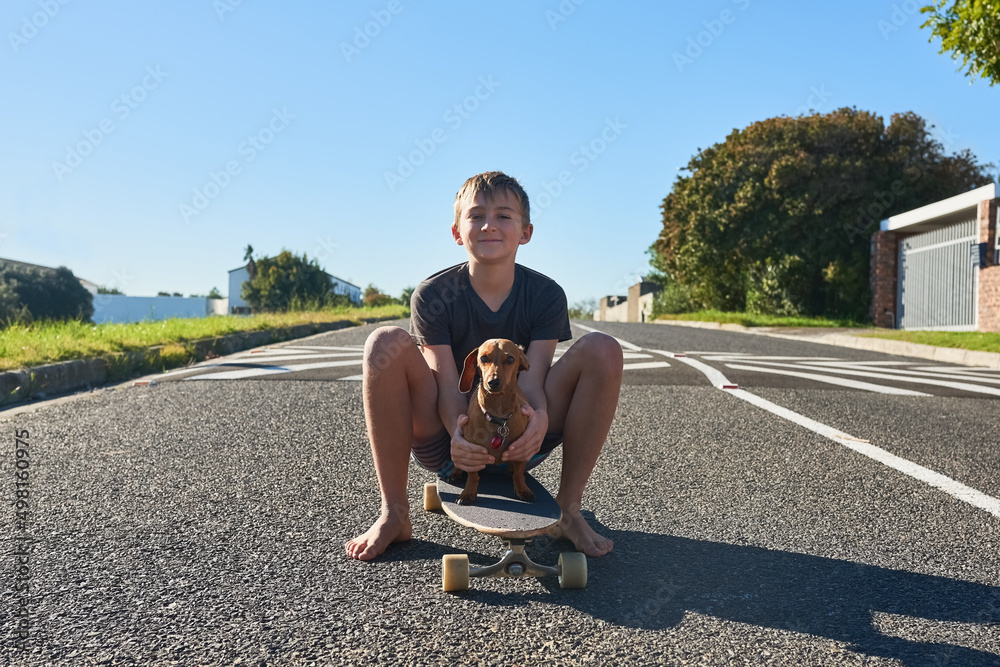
x=498, y=511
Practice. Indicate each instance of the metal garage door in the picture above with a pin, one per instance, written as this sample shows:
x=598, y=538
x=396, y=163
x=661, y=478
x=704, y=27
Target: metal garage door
x=938, y=277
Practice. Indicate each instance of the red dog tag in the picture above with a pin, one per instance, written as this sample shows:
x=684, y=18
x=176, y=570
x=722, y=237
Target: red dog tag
x=496, y=442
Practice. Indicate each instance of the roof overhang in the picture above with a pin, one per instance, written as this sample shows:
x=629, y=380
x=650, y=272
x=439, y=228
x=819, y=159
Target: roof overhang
x=941, y=213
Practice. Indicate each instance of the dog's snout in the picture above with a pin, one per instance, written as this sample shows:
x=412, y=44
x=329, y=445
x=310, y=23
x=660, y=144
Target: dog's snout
x=493, y=383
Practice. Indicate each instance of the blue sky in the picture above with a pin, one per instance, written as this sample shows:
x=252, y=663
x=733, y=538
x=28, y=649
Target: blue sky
x=145, y=144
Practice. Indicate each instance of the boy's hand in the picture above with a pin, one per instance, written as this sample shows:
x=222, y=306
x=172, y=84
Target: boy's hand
x=530, y=441
x=465, y=455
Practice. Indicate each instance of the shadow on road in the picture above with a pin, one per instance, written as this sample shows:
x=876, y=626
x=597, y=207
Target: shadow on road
x=650, y=581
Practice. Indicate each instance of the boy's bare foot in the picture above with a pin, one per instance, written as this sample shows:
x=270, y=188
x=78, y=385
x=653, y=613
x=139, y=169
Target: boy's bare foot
x=388, y=528
x=575, y=528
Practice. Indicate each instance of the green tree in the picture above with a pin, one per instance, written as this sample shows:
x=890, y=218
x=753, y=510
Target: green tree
x=287, y=281
x=215, y=293
x=29, y=293
x=109, y=290
x=583, y=310
x=405, y=297
x=970, y=30
x=779, y=216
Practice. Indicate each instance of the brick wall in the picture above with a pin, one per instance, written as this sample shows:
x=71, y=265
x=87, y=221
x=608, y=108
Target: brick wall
x=989, y=276
x=883, y=273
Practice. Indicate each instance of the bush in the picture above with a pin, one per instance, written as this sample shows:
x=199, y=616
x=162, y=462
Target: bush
x=673, y=299
x=778, y=287
x=29, y=293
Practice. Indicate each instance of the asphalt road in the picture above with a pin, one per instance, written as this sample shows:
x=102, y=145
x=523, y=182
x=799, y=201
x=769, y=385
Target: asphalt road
x=202, y=520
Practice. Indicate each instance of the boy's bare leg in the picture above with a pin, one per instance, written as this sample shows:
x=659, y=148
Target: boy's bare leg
x=582, y=393
x=400, y=401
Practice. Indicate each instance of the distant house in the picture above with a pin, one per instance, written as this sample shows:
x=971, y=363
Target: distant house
x=87, y=285
x=239, y=275
x=636, y=306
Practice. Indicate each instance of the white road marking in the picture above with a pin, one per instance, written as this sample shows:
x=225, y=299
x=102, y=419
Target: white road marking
x=645, y=364
x=718, y=380
x=273, y=370
x=950, y=486
x=266, y=359
x=624, y=343
x=730, y=357
x=337, y=348
x=843, y=382
x=898, y=377
x=941, y=373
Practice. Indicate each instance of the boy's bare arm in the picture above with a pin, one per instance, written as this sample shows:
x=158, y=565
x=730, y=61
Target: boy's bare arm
x=532, y=382
x=453, y=405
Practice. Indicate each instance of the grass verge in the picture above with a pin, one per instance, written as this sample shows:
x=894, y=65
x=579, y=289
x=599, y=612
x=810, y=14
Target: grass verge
x=979, y=341
x=752, y=320
x=25, y=346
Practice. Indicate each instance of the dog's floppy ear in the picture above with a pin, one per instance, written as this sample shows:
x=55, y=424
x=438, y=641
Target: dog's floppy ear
x=469, y=374
x=522, y=360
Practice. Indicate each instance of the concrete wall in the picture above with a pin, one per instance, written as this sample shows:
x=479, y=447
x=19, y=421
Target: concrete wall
x=121, y=308
x=612, y=309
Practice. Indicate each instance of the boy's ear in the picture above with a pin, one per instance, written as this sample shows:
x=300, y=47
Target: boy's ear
x=457, y=234
x=526, y=233
x=469, y=373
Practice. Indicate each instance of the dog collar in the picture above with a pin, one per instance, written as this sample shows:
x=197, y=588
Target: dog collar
x=502, y=430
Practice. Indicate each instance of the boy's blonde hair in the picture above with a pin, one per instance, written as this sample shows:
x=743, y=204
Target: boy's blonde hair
x=490, y=183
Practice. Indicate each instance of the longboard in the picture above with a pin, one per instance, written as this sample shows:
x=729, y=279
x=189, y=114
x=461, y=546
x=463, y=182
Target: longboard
x=498, y=511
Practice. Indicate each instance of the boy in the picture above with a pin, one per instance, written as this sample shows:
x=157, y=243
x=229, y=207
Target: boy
x=412, y=403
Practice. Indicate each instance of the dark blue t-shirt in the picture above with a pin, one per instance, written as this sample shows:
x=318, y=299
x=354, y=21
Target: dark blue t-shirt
x=445, y=310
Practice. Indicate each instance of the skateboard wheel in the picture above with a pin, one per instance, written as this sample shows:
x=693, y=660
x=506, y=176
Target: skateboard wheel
x=455, y=572
x=432, y=501
x=572, y=570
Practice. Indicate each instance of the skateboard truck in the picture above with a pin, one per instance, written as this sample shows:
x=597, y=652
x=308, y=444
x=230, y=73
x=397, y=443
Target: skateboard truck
x=515, y=563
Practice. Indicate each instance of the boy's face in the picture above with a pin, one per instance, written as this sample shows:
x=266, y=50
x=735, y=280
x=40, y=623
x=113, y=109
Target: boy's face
x=491, y=229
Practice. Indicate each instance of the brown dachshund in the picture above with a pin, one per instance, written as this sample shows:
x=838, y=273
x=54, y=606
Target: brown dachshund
x=495, y=418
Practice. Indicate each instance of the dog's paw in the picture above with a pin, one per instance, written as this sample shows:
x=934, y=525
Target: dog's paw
x=467, y=499
x=526, y=495
x=456, y=476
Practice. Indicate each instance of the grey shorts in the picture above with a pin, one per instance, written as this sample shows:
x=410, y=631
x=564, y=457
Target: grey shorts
x=435, y=455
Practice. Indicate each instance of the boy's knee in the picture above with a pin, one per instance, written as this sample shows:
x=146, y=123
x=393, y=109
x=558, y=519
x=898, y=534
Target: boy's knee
x=385, y=345
x=603, y=350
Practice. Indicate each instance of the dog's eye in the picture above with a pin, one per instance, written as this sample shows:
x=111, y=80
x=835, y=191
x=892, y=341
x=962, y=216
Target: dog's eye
x=484, y=359
x=509, y=360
